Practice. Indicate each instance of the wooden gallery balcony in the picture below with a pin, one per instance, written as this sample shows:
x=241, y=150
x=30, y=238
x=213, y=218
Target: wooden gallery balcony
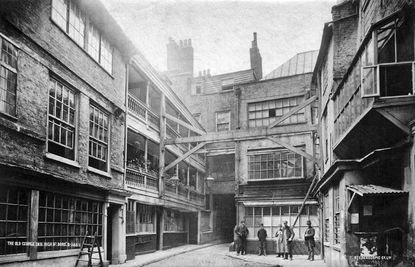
x=140, y=110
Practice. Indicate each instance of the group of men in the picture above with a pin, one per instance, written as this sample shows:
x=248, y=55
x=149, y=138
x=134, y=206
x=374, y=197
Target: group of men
x=283, y=243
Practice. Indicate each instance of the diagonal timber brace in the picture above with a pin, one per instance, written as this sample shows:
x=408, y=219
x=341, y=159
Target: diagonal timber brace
x=248, y=134
x=293, y=149
x=293, y=111
x=185, y=155
x=184, y=124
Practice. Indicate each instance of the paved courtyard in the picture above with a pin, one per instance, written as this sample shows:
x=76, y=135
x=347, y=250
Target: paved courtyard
x=218, y=255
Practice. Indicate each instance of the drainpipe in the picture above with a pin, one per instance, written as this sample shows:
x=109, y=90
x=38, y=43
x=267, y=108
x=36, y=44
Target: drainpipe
x=238, y=103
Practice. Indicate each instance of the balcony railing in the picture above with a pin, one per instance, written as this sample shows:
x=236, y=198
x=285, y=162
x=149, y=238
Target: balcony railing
x=141, y=179
x=140, y=110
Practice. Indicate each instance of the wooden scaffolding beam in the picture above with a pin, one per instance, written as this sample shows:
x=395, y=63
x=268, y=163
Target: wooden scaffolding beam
x=240, y=135
x=293, y=149
x=185, y=155
x=293, y=111
x=184, y=124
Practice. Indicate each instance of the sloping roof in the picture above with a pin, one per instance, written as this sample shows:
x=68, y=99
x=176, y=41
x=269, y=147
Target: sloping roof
x=301, y=63
x=371, y=189
x=213, y=84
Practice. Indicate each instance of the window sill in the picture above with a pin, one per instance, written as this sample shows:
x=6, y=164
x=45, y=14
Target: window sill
x=82, y=48
x=8, y=116
x=62, y=160
x=99, y=172
x=142, y=233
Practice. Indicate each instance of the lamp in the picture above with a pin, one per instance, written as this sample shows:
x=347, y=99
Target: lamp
x=174, y=179
x=209, y=180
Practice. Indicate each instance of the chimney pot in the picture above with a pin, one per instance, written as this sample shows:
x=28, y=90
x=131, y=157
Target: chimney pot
x=200, y=74
x=190, y=42
x=181, y=43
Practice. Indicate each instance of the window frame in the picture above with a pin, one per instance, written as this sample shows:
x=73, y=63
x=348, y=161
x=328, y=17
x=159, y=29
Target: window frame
x=86, y=34
x=228, y=112
x=75, y=125
x=105, y=113
x=279, y=106
x=336, y=214
x=273, y=152
x=12, y=69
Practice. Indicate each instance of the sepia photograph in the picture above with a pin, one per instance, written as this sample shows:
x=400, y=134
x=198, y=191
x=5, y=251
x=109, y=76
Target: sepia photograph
x=207, y=133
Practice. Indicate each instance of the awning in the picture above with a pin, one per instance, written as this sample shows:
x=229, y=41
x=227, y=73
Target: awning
x=373, y=190
x=268, y=203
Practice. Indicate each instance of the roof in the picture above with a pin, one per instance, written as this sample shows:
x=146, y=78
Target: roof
x=299, y=64
x=213, y=84
x=374, y=190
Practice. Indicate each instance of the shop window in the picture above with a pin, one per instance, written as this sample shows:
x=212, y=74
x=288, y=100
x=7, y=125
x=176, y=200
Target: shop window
x=61, y=120
x=14, y=219
x=130, y=217
x=173, y=221
x=274, y=216
x=8, y=76
x=277, y=164
x=145, y=219
x=98, y=138
x=64, y=221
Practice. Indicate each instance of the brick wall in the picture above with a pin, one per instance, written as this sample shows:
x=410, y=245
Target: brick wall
x=46, y=50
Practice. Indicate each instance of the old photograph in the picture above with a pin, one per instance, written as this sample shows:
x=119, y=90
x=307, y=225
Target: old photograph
x=204, y=133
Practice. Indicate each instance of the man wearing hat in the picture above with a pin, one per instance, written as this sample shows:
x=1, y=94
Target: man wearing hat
x=309, y=240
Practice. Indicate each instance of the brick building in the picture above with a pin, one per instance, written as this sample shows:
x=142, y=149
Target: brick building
x=364, y=76
x=261, y=145
x=62, y=117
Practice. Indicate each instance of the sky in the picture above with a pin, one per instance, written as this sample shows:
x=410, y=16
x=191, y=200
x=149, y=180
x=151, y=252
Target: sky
x=222, y=30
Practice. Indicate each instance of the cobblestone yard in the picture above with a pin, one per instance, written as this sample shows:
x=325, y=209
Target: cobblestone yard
x=218, y=255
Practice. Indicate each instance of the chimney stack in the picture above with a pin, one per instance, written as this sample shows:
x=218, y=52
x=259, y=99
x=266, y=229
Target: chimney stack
x=180, y=57
x=256, y=59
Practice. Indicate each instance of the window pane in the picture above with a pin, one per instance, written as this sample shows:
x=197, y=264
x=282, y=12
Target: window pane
x=59, y=12
x=93, y=42
x=106, y=55
x=76, y=25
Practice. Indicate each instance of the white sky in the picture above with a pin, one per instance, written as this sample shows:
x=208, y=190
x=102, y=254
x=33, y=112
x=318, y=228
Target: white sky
x=221, y=31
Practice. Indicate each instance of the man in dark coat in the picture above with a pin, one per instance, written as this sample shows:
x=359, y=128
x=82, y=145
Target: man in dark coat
x=240, y=234
x=262, y=236
x=309, y=240
x=288, y=236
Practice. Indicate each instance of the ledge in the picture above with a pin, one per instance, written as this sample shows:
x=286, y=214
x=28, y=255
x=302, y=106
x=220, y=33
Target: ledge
x=62, y=160
x=14, y=258
x=99, y=172
x=9, y=122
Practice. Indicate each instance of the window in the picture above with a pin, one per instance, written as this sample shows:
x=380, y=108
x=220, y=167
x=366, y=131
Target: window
x=130, y=217
x=67, y=15
x=336, y=206
x=69, y=18
x=275, y=164
x=264, y=113
x=223, y=121
x=98, y=139
x=60, y=12
x=326, y=218
x=61, y=120
x=392, y=45
x=173, y=221
x=227, y=84
x=106, y=55
x=93, y=42
x=65, y=220
x=14, y=218
x=145, y=219
x=273, y=216
x=198, y=89
x=76, y=25
x=8, y=77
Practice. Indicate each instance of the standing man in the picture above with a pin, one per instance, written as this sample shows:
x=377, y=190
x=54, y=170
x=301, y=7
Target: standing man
x=309, y=240
x=240, y=233
x=288, y=236
x=262, y=236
